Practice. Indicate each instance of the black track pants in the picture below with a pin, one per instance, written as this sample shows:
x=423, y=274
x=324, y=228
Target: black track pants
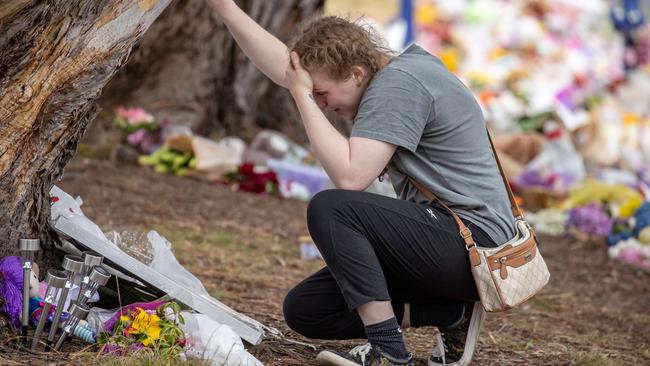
x=381, y=249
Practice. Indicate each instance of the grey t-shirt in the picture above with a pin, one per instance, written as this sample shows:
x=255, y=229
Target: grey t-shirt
x=414, y=102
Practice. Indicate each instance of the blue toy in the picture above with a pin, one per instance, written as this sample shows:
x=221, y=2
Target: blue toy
x=626, y=17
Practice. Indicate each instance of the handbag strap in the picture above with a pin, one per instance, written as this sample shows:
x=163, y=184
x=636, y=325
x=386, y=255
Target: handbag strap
x=516, y=211
x=466, y=233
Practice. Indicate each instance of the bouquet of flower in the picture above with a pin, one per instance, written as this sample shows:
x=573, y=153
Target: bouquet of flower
x=141, y=129
x=139, y=327
x=250, y=179
x=133, y=119
x=168, y=160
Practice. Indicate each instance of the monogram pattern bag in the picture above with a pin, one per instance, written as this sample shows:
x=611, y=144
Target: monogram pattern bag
x=511, y=273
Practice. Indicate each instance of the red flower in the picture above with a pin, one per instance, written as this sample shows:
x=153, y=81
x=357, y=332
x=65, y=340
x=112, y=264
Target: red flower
x=246, y=169
x=249, y=181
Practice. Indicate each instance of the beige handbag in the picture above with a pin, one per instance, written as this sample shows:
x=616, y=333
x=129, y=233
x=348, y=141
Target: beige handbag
x=511, y=273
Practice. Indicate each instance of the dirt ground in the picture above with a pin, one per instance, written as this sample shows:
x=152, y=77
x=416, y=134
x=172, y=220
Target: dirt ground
x=245, y=250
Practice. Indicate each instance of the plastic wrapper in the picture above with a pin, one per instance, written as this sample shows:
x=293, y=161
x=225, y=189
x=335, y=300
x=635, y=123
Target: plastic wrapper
x=269, y=144
x=133, y=243
x=557, y=167
x=314, y=179
x=164, y=261
x=215, y=342
x=155, y=251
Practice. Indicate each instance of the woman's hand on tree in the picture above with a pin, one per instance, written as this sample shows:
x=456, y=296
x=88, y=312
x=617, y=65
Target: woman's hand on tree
x=298, y=79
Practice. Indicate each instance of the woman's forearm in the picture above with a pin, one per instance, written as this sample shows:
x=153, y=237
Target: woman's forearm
x=267, y=52
x=330, y=147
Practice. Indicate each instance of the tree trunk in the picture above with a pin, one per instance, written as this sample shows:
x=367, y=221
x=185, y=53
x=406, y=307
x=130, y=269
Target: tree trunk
x=188, y=69
x=55, y=58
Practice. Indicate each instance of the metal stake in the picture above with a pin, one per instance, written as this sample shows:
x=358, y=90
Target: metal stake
x=55, y=280
x=91, y=259
x=72, y=265
x=78, y=312
x=98, y=277
x=28, y=249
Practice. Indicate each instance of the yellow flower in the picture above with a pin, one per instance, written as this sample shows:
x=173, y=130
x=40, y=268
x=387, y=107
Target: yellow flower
x=591, y=191
x=153, y=334
x=629, y=207
x=449, y=57
x=146, y=324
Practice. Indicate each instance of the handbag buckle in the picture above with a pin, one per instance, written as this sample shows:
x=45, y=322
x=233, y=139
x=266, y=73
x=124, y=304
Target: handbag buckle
x=465, y=233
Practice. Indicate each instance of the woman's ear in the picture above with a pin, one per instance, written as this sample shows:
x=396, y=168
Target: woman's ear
x=358, y=74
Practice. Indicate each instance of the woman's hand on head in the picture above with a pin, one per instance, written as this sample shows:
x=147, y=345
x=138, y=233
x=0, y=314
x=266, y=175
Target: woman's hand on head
x=298, y=79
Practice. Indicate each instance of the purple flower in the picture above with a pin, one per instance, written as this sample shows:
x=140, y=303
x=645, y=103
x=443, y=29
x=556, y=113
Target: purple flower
x=591, y=219
x=113, y=349
x=532, y=178
x=11, y=288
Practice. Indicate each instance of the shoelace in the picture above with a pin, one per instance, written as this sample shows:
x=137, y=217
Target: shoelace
x=450, y=345
x=441, y=349
x=361, y=351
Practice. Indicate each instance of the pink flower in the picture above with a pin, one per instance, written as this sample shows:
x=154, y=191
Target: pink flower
x=631, y=255
x=135, y=116
x=136, y=137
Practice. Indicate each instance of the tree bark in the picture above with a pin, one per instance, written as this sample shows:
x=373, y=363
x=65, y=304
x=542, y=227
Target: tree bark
x=189, y=70
x=55, y=58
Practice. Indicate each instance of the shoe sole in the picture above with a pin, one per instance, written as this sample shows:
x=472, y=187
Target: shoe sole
x=472, y=336
x=331, y=358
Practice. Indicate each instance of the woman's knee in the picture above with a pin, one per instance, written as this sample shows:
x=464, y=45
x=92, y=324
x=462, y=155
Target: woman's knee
x=293, y=311
x=323, y=203
x=319, y=213
x=322, y=208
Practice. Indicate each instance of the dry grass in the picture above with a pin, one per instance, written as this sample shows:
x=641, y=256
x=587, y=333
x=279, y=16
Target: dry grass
x=142, y=358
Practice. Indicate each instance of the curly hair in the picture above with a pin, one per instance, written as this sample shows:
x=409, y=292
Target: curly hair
x=333, y=45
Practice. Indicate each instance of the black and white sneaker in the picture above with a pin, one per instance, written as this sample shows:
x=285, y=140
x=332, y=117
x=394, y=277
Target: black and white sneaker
x=364, y=355
x=455, y=346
